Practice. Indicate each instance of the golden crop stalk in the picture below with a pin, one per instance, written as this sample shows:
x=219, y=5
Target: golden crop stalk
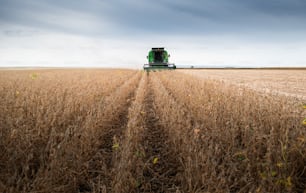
x=34, y=76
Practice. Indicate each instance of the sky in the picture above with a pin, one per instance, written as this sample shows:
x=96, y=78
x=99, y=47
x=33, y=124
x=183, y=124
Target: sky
x=119, y=33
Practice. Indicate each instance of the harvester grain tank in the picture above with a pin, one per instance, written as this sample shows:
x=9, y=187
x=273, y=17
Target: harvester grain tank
x=158, y=58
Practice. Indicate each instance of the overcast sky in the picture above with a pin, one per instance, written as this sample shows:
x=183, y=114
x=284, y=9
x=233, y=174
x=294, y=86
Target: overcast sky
x=119, y=33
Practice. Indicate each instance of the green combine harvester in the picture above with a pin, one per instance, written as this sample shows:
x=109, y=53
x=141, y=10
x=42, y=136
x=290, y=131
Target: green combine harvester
x=158, y=59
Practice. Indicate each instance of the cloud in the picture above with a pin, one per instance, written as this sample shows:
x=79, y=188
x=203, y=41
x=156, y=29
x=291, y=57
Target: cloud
x=99, y=17
x=119, y=33
x=78, y=51
x=50, y=16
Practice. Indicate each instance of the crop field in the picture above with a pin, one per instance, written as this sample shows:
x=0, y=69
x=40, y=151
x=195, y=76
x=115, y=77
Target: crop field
x=285, y=82
x=93, y=130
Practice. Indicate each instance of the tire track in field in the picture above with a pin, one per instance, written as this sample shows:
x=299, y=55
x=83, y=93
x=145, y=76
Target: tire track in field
x=113, y=129
x=161, y=164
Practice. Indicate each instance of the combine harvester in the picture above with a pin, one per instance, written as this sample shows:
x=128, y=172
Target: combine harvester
x=158, y=59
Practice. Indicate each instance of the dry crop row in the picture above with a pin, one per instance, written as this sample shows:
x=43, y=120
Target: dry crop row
x=127, y=169
x=147, y=159
x=50, y=128
x=235, y=140
x=128, y=131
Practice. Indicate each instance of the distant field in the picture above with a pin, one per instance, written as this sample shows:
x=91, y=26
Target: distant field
x=286, y=82
x=93, y=130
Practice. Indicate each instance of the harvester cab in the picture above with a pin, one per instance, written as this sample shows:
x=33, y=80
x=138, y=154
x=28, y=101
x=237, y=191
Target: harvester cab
x=158, y=58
